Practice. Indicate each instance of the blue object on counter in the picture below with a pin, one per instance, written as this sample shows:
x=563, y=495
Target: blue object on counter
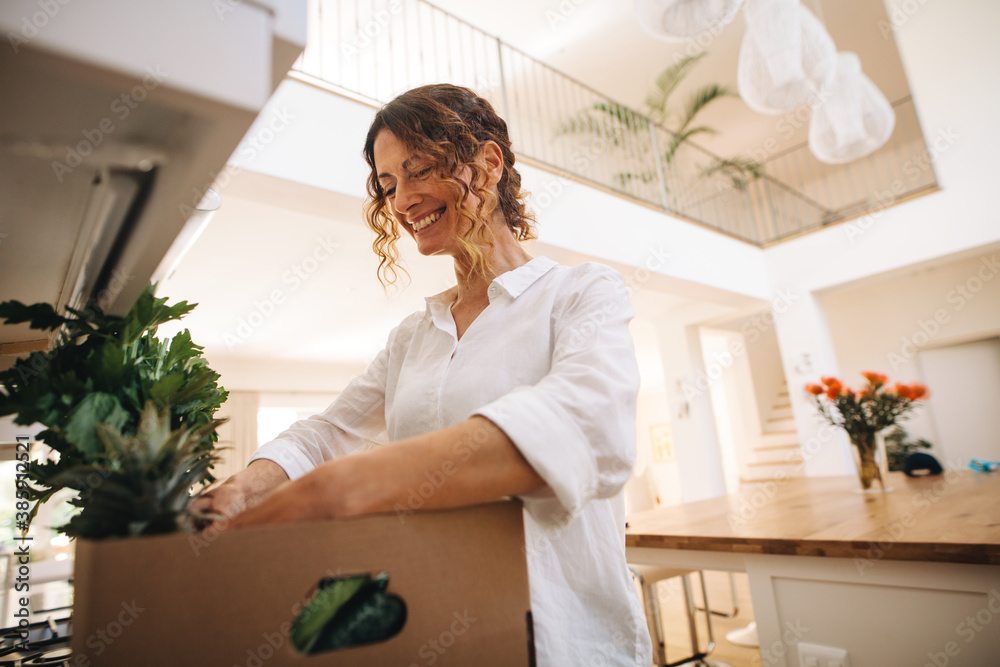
x=983, y=465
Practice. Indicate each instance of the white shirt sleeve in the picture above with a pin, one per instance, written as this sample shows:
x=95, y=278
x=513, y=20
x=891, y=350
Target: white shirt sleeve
x=356, y=417
x=576, y=426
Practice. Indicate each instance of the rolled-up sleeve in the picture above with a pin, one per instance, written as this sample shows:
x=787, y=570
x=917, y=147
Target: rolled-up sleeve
x=576, y=426
x=356, y=417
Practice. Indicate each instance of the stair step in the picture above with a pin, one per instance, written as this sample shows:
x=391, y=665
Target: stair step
x=779, y=424
x=757, y=478
x=779, y=456
x=777, y=447
x=780, y=413
x=774, y=438
x=778, y=462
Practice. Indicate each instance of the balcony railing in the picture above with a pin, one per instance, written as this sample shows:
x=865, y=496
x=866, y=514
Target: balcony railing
x=377, y=49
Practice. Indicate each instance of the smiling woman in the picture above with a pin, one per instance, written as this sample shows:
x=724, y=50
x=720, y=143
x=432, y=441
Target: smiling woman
x=468, y=153
x=519, y=381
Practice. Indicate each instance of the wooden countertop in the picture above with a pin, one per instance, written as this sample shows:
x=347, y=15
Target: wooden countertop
x=954, y=517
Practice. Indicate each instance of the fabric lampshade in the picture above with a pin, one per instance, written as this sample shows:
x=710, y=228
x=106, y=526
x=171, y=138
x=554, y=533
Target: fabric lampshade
x=786, y=58
x=854, y=119
x=682, y=20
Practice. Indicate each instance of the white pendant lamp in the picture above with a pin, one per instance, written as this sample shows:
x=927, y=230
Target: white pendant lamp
x=683, y=20
x=786, y=58
x=853, y=120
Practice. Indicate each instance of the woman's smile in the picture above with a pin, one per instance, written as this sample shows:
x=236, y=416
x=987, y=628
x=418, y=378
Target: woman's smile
x=427, y=220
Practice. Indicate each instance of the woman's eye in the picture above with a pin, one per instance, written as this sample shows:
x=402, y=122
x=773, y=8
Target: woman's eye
x=390, y=192
x=423, y=173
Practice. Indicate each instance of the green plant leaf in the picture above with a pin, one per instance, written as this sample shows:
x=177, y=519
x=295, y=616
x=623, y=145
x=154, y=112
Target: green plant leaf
x=666, y=83
x=94, y=409
x=700, y=99
x=322, y=608
x=38, y=316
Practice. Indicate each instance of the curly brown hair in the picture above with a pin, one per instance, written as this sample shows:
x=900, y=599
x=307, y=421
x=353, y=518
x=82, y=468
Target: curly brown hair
x=446, y=126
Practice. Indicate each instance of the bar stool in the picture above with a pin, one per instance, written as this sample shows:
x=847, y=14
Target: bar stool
x=648, y=577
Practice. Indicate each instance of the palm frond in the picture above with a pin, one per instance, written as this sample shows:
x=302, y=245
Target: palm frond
x=666, y=83
x=700, y=99
x=740, y=170
x=609, y=120
x=678, y=140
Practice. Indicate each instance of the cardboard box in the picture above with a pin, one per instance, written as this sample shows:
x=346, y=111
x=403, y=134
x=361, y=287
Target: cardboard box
x=187, y=600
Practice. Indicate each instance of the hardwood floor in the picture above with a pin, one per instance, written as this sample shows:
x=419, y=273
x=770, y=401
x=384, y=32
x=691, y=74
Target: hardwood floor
x=675, y=618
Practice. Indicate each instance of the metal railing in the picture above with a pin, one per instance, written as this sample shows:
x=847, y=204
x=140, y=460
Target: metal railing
x=377, y=49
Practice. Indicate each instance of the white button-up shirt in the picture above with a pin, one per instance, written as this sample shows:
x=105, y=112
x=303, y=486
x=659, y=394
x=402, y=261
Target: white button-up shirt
x=551, y=362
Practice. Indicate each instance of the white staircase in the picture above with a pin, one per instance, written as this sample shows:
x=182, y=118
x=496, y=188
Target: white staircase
x=776, y=453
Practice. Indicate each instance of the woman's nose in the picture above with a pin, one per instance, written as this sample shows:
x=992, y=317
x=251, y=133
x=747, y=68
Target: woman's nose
x=405, y=198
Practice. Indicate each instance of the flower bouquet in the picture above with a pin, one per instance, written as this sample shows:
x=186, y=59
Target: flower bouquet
x=863, y=414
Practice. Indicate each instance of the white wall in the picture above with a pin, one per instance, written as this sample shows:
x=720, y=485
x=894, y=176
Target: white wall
x=882, y=326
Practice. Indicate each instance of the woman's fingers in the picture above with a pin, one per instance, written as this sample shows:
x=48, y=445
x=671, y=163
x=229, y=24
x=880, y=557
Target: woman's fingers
x=293, y=501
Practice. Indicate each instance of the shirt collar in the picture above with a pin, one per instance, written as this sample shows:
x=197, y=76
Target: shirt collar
x=514, y=282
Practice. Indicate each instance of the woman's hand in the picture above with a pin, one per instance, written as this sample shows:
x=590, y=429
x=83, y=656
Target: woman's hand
x=304, y=499
x=244, y=489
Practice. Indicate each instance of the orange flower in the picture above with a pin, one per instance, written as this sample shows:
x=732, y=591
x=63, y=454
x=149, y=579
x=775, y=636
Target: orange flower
x=918, y=391
x=828, y=380
x=874, y=378
x=814, y=389
x=833, y=391
x=904, y=390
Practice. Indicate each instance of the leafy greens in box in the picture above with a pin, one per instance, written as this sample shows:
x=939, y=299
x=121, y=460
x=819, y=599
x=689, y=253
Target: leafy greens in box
x=104, y=378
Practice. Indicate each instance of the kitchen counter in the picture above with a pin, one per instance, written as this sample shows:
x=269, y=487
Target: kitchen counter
x=949, y=518
x=909, y=577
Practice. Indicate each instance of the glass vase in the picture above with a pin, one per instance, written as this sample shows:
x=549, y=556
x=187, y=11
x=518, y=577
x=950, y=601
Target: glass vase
x=871, y=461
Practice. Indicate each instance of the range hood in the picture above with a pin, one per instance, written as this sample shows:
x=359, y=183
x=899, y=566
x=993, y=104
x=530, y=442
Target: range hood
x=116, y=117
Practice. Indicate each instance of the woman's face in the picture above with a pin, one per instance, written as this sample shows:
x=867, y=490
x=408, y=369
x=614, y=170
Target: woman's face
x=424, y=207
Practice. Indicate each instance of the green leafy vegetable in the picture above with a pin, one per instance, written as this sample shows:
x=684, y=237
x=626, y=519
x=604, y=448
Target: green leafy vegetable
x=348, y=611
x=103, y=370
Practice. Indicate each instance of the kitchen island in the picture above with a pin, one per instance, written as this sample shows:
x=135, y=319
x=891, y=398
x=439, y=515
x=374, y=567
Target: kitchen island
x=909, y=577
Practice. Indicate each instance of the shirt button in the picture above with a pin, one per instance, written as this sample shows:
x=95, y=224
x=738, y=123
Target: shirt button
x=494, y=291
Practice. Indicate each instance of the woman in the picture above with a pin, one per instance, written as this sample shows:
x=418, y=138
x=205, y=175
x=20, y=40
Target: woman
x=520, y=381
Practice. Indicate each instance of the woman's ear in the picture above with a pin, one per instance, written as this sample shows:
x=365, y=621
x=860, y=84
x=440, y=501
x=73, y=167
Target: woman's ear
x=493, y=157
